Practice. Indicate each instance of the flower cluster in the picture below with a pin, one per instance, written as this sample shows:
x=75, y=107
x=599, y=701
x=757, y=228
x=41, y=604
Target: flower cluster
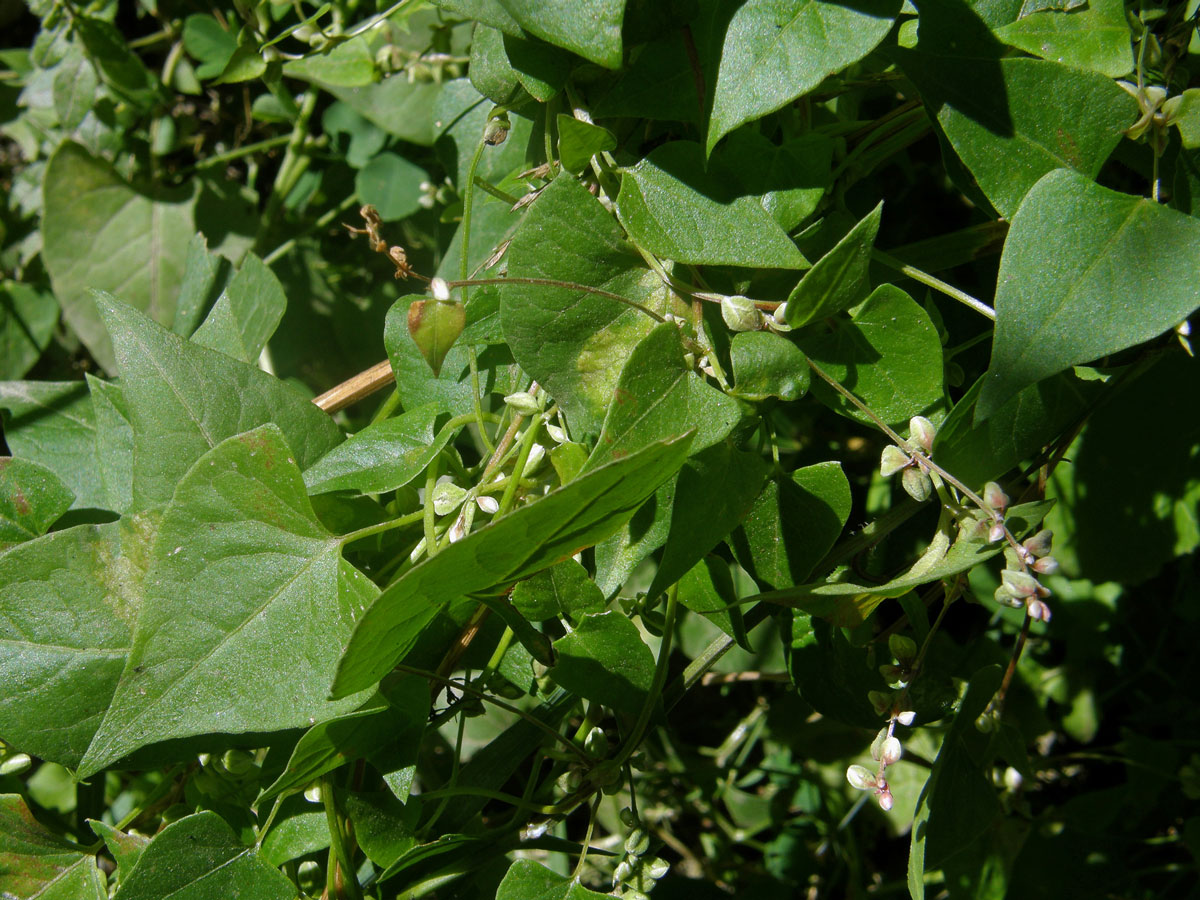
x=886, y=749
x=911, y=462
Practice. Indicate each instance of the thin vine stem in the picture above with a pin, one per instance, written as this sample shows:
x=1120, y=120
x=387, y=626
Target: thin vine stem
x=936, y=283
x=554, y=282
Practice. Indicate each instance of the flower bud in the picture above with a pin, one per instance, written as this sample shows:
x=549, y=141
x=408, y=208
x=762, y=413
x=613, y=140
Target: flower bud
x=638, y=842
x=489, y=505
x=16, y=764
x=1039, y=544
x=439, y=289
x=1038, y=610
x=885, y=799
x=496, y=130
x=447, y=497
x=1021, y=584
x=656, y=868
x=994, y=497
x=986, y=723
x=996, y=531
x=861, y=777
x=893, y=460
x=596, y=742
x=313, y=793
x=921, y=430
x=524, y=403
x=891, y=751
x=779, y=318
x=622, y=872
x=740, y=314
x=903, y=647
x=237, y=762
x=918, y=484
x=628, y=818
x=907, y=717
x=1047, y=565
x=1005, y=597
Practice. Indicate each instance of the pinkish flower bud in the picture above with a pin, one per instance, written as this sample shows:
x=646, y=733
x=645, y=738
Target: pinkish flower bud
x=1038, y=610
x=1005, y=597
x=861, y=777
x=994, y=497
x=891, y=751
x=893, y=460
x=1039, y=544
x=996, y=531
x=921, y=430
x=885, y=799
x=1021, y=584
x=1047, y=565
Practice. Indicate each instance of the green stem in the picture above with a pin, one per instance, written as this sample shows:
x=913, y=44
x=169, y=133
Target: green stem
x=290, y=169
x=327, y=217
x=371, y=530
x=387, y=407
x=464, y=264
x=428, y=514
x=936, y=283
x=510, y=490
x=554, y=282
x=228, y=156
x=660, y=679
x=337, y=847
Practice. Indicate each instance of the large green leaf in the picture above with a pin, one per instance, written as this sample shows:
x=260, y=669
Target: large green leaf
x=27, y=319
x=658, y=396
x=184, y=399
x=68, y=602
x=31, y=500
x=575, y=343
x=561, y=590
x=526, y=878
x=888, y=354
x=978, y=453
x=459, y=118
x=995, y=113
x=400, y=107
x=1069, y=293
x=958, y=802
x=1095, y=37
x=605, y=660
x=714, y=492
x=839, y=280
x=674, y=208
x=1118, y=519
x=793, y=524
x=591, y=28
x=101, y=233
x=52, y=423
x=37, y=864
x=777, y=50
x=240, y=568
x=114, y=443
x=533, y=538
x=200, y=858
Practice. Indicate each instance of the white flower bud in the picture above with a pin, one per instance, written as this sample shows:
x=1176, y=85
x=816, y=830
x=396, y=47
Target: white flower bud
x=439, y=289
x=892, y=460
x=861, y=777
x=489, y=505
x=740, y=314
x=921, y=430
x=885, y=799
x=524, y=403
x=891, y=751
x=907, y=717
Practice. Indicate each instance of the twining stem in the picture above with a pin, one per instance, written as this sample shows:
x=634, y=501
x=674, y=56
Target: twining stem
x=464, y=264
x=936, y=283
x=660, y=679
x=338, y=850
x=325, y=218
x=290, y=169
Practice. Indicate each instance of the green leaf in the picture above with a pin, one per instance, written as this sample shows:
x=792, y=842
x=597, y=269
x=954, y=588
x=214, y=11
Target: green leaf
x=1070, y=295
x=888, y=354
x=677, y=210
x=765, y=365
x=658, y=397
x=521, y=544
x=100, y=233
x=839, y=280
x=184, y=399
x=579, y=141
x=794, y=522
x=789, y=179
x=958, y=801
x=381, y=457
x=27, y=319
x=204, y=277
x=365, y=138
x=777, y=50
x=605, y=660
x=246, y=64
x=572, y=342
x=459, y=118
x=299, y=828
x=1011, y=120
x=114, y=443
x=200, y=858
x=392, y=184
x=123, y=69
x=68, y=601
x=1030, y=420
x=542, y=69
x=658, y=83
x=591, y=28
x=714, y=492
x=434, y=326
x=1118, y=520
x=239, y=569
x=124, y=847
x=490, y=71
x=1096, y=37
x=384, y=827
x=645, y=532
x=52, y=423
x=75, y=86
x=832, y=674
x=31, y=500
x=246, y=314
x=208, y=43
x=400, y=107
x=1186, y=118
x=377, y=725
x=563, y=590
x=526, y=878
x=36, y=863
x=347, y=65
x=708, y=589
x=847, y=604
